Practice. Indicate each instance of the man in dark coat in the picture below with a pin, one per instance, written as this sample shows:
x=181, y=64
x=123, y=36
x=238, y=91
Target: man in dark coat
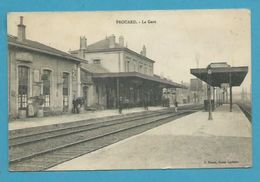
x=120, y=106
x=75, y=103
x=176, y=106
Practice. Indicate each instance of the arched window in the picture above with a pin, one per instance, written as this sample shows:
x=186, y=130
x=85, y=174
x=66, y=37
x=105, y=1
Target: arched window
x=23, y=86
x=46, y=79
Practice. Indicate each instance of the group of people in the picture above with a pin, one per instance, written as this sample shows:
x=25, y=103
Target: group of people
x=166, y=103
x=78, y=102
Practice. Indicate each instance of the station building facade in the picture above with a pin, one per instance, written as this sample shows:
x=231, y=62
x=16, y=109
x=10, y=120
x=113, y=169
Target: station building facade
x=106, y=74
x=39, y=71
x=114, y=57
x=112, y=72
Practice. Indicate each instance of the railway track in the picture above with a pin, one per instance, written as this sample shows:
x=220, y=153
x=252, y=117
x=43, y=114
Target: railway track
x=45, y=149
x=246, y=110
x=54, y=133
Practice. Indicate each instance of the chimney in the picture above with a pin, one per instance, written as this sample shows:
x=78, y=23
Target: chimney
x=83, y=43
x=121, y=41
x=143, y=52
x=112, y=41
x=21, y=30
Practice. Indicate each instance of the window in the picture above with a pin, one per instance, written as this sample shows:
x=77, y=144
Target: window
x=140, y=68
x=134, y=65
x=151, y=69
x=127, y=66
x=96, y=61
x=97, y=90
x=23, y=86
x=145, y=70
x=46, y=79
x=65, y=92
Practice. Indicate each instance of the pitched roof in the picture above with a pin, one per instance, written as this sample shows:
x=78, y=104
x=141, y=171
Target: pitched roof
x=94, y=68
x=219, y=75
x=37, y=46
x=164, y=82
x=103, y=46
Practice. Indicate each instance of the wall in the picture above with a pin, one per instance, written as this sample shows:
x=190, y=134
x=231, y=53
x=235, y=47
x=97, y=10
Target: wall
x=135, y=62
x=37, y=62
x=117, y=62
x=109, y=60
x=114, y=62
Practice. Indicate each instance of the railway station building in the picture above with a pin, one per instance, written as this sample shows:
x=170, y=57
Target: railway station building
x=40, y=73
x=106, y=74
x=113, y=73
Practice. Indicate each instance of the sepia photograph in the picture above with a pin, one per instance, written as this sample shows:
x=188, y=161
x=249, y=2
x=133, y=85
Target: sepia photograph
x=128, y=90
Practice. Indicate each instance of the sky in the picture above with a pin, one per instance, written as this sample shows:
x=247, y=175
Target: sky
x=178, y=41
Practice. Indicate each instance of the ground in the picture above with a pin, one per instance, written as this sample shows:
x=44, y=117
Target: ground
x=192, y=141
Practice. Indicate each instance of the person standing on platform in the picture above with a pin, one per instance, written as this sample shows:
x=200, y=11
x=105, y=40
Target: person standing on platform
x=120, y=106
x=176, y=106
x=146, y=102
x=75, y=108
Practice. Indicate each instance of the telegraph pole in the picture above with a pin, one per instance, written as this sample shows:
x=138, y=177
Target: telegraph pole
x=197, y=84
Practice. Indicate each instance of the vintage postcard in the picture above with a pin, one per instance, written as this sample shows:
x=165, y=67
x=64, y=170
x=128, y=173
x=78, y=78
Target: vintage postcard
x=129, y=90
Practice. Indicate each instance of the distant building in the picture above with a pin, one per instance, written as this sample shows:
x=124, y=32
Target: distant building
x=197, y=90
x=196, y=85
x=183, y=95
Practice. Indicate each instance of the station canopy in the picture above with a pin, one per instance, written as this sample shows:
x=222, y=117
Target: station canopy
x=142, y=77
x=221, y=73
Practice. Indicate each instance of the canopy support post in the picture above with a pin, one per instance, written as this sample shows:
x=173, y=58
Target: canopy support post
x=230, y=92
x=209, y=103
x=119, y=104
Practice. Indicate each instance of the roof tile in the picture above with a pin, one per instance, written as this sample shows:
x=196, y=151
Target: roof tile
x=94, y=68
x=40, y=46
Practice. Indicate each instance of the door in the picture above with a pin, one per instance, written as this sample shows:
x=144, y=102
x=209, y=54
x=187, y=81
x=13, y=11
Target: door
x=23, y=87
x=65, y=92
x=85, y=96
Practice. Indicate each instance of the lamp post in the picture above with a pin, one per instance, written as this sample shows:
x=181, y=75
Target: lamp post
x=230, y=91
x=209, y=94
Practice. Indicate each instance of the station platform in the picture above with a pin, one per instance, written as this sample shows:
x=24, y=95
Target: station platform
x=192, y=141
x=71, y=117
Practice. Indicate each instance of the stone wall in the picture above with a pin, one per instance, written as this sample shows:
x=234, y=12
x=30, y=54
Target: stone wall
x=37, y=62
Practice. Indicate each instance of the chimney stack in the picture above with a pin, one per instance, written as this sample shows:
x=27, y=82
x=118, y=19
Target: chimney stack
x=83, y=43
x=21, y=30
x=121, y=41
x=112, y=41
x=143, y=52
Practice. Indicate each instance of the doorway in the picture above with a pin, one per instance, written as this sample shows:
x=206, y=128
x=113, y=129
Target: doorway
x=85, y=96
